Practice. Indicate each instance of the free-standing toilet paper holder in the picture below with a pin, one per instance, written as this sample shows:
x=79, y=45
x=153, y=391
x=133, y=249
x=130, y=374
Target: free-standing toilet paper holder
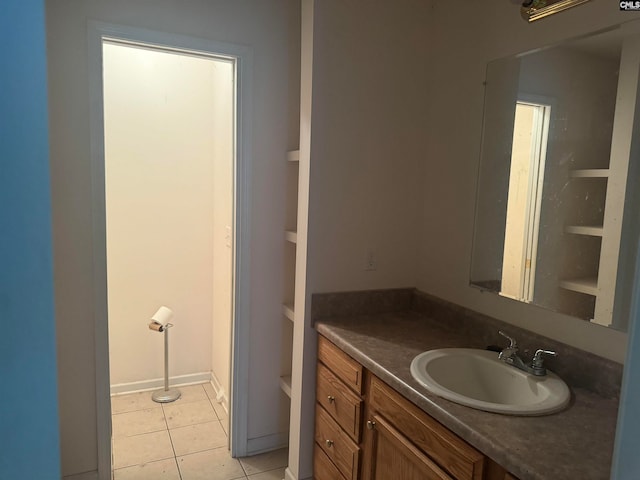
x=168, y=394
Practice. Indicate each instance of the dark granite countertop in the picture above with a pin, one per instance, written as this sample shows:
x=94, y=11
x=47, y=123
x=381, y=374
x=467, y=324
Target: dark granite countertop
x=576, y=443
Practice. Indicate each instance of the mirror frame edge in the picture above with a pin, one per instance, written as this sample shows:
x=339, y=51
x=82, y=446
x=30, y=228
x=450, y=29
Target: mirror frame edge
x=531, y=13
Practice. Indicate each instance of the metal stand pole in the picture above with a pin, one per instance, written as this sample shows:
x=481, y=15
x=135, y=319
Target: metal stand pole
x=167, y=395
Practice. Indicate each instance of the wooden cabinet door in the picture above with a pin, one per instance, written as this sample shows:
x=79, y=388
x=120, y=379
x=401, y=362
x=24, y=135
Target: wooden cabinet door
x=394, y=457
x=451, y=453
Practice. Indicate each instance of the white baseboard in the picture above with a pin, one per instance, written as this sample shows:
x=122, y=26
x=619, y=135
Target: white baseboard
x=153, y=384
x=221, y=395
x=267, y=443
x=83, y=476
x=288, y=475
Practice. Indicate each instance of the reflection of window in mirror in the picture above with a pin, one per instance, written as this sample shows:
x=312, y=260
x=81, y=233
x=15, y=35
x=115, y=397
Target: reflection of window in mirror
x=528, y=153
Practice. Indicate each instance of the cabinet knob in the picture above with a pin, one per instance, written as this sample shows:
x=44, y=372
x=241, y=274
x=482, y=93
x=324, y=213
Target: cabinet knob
x=371, y=424
x=329, y=443
x=331, y=398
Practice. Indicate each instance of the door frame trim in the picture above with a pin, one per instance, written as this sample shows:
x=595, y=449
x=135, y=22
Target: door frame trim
x=243, y=56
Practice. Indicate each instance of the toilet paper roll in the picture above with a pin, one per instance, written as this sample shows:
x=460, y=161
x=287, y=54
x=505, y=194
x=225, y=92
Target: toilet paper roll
x=162, y=316
x=156, y=327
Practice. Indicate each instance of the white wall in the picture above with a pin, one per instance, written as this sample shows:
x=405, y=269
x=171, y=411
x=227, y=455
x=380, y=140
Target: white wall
x=222, y=231
x=164, y=114
x=370, y=99
x=398, y=100
x=271, y=30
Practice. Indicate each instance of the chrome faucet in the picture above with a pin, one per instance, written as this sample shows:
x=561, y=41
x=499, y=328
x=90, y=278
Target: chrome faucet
x=510, y=356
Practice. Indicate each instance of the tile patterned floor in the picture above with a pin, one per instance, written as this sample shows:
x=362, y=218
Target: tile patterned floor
x=183, y=440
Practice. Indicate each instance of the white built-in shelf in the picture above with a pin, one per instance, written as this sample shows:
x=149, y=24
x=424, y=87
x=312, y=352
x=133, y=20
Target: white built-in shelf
x=581, y=285
x=285, y=384
x=287, y=310
x=590, y=173
x=290, y=236
x=293, y=156
x=594, y=231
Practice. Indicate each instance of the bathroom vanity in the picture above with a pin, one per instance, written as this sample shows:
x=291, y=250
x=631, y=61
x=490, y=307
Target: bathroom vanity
x=398, y=438
x=375, y=422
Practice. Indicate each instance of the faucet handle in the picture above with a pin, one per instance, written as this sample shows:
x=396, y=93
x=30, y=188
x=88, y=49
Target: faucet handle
x=512, y=341
x=537, y=357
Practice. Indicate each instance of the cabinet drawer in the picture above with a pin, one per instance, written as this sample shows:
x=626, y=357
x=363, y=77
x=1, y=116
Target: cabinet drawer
x=337, y=445
x=451, y=453
x=323, y=468
x=342, y=365
x=341, y=403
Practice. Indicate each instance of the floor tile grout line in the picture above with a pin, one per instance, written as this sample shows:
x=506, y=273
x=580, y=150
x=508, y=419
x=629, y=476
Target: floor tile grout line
x=175, y=460
x=173, y=448
x=171, y=438
x=113, y=439
x=134, y=411
x=249, y=475
x=243, y=469
x=138, y=434
x=214, y=405
x=201, y=451
x=138, y=394
x=145, y=463
x=194, y=424
x=158, y=405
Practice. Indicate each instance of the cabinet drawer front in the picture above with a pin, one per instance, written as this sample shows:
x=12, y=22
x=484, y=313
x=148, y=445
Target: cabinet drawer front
x=323, y=468
x=345, y=367
x=337, y=445
x=341, y=403
x=451, y=453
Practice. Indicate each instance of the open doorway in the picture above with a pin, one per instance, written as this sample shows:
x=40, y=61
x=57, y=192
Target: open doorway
x=236, y=238
x=169, y=138
x=526, y=178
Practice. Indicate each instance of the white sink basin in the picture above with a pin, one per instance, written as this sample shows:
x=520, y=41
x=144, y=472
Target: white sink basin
x=478, y=379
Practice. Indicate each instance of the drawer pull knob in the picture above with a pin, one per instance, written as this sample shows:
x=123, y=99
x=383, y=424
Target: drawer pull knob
x=331, y=398
x=371, y=424
x=329, y=443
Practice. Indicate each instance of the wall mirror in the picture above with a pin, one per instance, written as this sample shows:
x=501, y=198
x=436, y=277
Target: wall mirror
x=557, y=214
